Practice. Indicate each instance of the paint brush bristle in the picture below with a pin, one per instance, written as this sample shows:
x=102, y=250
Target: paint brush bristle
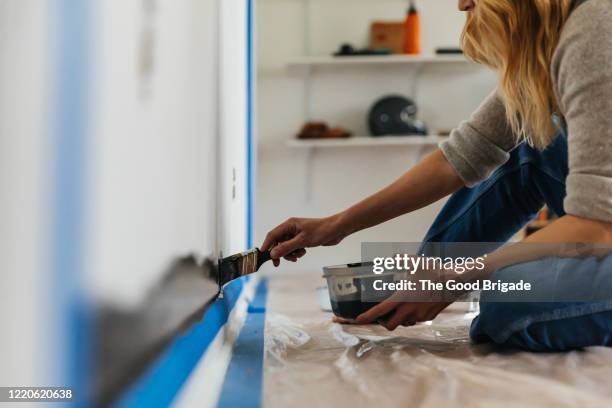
x=241, y=264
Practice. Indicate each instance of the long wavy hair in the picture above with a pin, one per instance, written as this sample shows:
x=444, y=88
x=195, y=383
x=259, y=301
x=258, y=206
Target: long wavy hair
x=518, y=38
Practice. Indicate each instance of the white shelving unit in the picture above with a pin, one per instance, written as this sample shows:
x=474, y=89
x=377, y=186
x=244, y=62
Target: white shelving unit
x=330, y=61
x=310, y=147
x=415, y=64
x=366, y=141
x=308, y=66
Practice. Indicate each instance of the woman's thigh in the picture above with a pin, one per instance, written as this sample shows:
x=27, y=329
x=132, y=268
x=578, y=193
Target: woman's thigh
x=497, y=208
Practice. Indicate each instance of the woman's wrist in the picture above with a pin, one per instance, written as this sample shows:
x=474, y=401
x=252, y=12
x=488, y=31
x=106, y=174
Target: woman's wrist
x=341, y=224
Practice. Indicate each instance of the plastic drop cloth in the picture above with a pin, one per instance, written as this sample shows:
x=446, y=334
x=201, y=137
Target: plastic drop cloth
x=311, y=361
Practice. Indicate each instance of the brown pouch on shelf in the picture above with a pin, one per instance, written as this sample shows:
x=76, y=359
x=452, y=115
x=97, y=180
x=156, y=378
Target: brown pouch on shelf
x=337, y=133
x=313, y=130
x=320, y=130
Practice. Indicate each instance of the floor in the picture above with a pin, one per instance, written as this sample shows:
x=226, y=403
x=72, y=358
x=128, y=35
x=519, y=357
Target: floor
x=311, y=361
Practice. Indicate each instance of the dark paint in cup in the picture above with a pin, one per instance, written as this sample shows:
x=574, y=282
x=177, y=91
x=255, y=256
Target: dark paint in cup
x=351, y=288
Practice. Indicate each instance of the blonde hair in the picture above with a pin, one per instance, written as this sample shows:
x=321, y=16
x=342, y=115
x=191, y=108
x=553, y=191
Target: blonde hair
x=517, y=38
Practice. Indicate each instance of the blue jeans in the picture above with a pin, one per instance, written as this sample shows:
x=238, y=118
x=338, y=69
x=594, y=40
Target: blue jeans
x=495, y=210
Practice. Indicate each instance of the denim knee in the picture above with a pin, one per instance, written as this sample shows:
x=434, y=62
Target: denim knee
x=571, y=309
x=544, y=326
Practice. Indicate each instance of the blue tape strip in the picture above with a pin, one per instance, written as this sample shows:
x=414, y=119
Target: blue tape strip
x=161, y=384
x=244, y=378
x=250, y=94
x=70, y=141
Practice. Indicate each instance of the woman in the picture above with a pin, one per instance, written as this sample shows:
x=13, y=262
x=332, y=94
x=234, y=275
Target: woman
x=543, y=137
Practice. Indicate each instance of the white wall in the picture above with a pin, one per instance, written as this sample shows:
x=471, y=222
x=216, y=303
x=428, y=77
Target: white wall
x=233, y=126
x=160, y=138
x=25, y=26
x=153, y=153
x=150, y=172
x=337, y=178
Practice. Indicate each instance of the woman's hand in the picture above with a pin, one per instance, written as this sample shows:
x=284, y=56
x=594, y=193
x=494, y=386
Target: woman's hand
x=401, y=313
x=409, y=307
x=290, y=239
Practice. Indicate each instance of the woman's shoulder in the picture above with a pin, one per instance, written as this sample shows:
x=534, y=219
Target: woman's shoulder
x=585, y=45
x=589, y=16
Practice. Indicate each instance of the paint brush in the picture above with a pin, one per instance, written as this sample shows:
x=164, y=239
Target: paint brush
x=241, y=264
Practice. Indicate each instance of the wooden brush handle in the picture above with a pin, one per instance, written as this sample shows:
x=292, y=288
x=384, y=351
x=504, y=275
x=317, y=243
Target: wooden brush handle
x=262, y=257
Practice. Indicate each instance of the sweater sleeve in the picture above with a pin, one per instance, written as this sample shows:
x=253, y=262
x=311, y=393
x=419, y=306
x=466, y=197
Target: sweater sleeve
x=582, y=67
x=481, y=144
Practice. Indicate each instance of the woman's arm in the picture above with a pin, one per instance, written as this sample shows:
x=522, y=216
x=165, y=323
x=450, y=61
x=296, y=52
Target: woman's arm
x=567, y=229
x=430, y=180
x=570, y=228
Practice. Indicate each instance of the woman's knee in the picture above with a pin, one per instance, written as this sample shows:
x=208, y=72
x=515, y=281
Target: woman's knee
x=544, y=327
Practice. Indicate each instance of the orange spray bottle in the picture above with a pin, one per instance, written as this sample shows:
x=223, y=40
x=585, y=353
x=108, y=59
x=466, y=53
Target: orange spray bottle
x=412, y=31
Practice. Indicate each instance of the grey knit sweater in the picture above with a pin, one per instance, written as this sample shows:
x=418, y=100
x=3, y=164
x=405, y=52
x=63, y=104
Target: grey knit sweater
x=582, y=76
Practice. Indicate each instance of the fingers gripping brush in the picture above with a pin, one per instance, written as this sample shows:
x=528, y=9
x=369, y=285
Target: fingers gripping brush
x=241, y=264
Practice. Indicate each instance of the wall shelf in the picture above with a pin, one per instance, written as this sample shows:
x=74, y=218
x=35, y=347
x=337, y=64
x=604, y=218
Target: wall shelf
x=310, y=147
x=308, y=66
x=366, y=141
x=322, y=61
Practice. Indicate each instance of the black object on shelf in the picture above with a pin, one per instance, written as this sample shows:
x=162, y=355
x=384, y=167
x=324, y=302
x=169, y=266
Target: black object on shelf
x=347, y=50
x=449, y=51
x=395, y=115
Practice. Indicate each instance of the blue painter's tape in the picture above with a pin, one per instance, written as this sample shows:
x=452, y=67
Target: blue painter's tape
x=161, y=384
x=250, y=141
x=253, y=309
x=232, y=291
x=71, y=314
x=244, y=378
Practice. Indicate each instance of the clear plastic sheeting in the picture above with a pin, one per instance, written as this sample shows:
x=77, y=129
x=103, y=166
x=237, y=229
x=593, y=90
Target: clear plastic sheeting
x=282, y=334
x=428, y=365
